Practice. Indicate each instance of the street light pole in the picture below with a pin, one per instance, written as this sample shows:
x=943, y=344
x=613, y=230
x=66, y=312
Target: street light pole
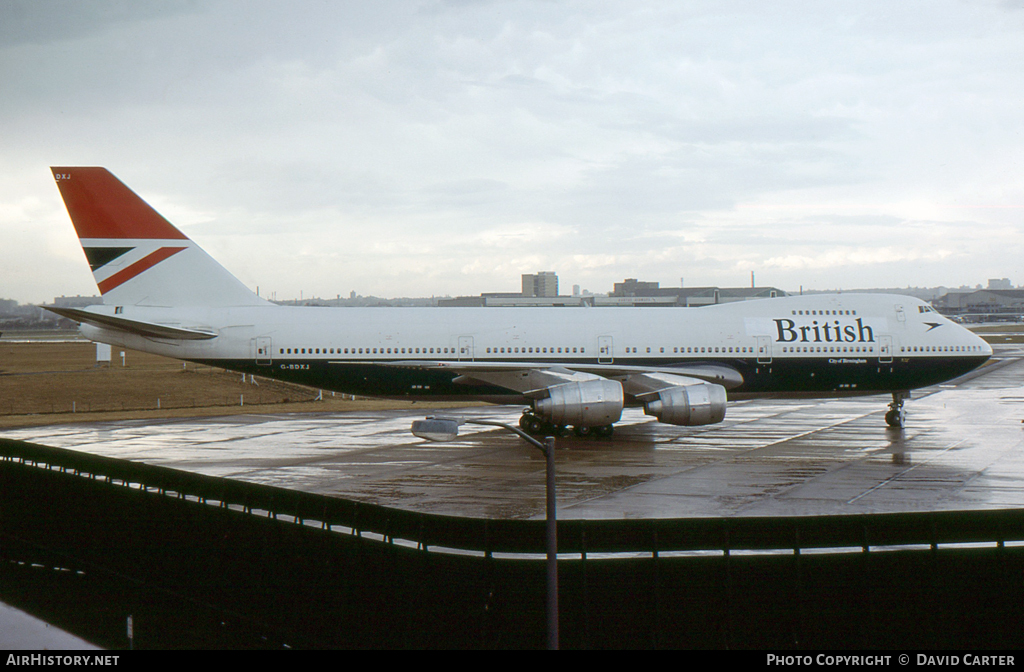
x=552, y=544
x=439, y=428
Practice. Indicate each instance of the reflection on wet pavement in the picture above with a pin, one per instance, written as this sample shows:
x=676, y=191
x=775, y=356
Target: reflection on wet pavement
x=961, y=449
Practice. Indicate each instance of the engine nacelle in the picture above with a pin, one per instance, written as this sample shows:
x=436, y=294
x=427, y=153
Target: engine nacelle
x=702, y=404
x=586, y=403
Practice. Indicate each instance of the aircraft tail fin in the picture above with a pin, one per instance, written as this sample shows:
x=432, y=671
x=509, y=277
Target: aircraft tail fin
x=138, y=257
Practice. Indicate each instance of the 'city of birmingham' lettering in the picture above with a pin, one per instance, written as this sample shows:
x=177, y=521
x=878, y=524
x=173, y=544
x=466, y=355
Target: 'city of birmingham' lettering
x=823, y=333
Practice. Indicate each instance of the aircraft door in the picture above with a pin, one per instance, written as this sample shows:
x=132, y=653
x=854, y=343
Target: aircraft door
x=884, y=349
x=604, y=350
x=764, y=350
x=264, y=350
x=465, y=348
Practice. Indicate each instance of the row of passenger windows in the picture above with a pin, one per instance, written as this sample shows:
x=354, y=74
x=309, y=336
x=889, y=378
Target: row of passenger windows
x=368, y=351
x=497, y=350
x=696, y=350
x=863, y=349
x=940, y=348
x=627, y=350
x=566, y=350
x=512, y=350
x=823, y=312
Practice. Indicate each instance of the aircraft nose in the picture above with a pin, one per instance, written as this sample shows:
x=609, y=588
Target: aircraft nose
x=986, y=348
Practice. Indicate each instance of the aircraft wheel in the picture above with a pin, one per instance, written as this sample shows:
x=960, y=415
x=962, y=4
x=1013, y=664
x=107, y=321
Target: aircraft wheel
x=582, y=431
x=533, y=425
x=605, y=431
x=897, y=416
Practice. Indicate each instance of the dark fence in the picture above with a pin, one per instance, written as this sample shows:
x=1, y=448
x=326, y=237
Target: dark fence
x=203, y=561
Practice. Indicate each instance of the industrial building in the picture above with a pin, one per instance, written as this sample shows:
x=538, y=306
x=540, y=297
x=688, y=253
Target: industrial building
x=982, y=305
x=629, y=292
x=542, y=283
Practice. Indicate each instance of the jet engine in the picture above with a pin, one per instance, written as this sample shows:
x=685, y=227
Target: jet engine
x=702, y=404
x=586, y=403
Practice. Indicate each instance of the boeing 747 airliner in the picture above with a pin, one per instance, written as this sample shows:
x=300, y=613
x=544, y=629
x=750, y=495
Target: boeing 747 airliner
x=573, y=367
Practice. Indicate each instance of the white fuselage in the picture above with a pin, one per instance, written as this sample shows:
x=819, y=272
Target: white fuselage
x=842, y=331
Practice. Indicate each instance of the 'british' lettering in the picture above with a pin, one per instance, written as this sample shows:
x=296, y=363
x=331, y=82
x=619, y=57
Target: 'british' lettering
x=789, y=332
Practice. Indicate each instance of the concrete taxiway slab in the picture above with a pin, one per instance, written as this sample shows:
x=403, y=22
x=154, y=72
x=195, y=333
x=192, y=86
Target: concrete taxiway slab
x=963, y=448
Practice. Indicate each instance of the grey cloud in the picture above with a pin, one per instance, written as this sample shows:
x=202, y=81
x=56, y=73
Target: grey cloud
x=692, y=135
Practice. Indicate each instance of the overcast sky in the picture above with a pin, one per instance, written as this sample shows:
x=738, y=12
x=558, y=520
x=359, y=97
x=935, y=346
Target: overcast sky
x=432, y=148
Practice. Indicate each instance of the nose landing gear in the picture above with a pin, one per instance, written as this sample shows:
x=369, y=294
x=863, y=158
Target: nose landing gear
x=897, y=416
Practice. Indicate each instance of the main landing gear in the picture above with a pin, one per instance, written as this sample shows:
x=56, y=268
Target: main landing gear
x=533, y=424
x=897, y=416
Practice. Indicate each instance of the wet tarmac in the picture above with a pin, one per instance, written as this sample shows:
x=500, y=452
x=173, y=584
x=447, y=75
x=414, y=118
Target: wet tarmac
x=963, y=448
x=20, y=631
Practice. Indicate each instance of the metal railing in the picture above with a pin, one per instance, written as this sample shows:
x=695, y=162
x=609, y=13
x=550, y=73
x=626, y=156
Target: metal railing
x=589, y=539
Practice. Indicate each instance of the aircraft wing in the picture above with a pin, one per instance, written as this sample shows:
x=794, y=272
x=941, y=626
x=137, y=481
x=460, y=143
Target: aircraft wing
x=149, y=329
x=527, y=376
x=594, y=394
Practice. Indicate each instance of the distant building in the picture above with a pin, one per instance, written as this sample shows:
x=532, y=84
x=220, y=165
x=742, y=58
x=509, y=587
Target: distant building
x=476, y=301
x=535, y=301
x=999, y=283
x=507, y=300
x=462, y=302
x=77, y=301
x=632, y=292
x=982, y=304
x=542, y=283
x=633, y=287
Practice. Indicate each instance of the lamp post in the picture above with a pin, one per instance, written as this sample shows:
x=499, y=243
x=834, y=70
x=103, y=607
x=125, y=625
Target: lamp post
x=439, y=428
